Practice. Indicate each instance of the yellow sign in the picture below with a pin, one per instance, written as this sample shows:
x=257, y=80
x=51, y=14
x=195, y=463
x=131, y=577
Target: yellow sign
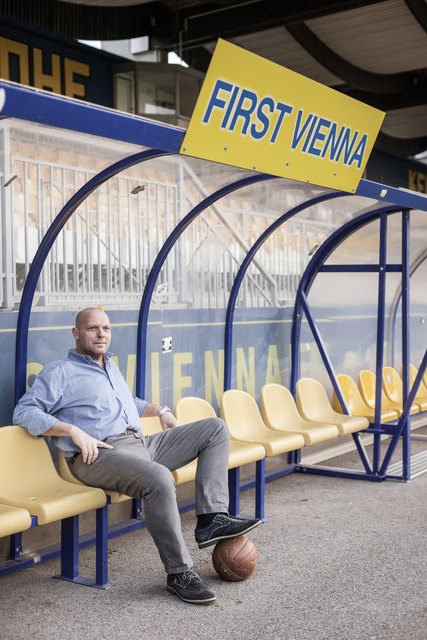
x=255, y=114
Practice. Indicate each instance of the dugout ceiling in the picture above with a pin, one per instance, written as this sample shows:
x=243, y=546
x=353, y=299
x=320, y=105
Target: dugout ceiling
x=375, y=51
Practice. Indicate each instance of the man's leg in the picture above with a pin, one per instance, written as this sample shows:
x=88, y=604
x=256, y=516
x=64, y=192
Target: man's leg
x=209, y=441
x=128, y=469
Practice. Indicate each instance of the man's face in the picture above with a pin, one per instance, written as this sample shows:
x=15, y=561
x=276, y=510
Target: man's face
x=93, y=334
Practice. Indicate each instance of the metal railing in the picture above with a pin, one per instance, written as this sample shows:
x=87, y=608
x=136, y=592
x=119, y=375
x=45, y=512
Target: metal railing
x=108, y=247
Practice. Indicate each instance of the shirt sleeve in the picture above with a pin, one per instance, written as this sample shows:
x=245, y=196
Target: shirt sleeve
x=34, y=410
x=140, y=405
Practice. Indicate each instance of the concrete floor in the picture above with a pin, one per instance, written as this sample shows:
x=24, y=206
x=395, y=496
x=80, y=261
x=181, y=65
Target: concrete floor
x=338, y=560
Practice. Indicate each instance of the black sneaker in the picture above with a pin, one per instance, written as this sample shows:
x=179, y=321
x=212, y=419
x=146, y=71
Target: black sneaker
x=189, y=588
x=223, y=527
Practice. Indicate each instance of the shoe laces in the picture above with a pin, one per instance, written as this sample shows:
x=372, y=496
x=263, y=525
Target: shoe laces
x=187, y=577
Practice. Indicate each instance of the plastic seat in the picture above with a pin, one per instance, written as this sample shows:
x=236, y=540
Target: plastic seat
x=421, y=396
x=13, y=520
x=392, y=385
x=279, y=412
x=191, y=408
x=356, y=404
x=241, y=413
x=423, y=386
x=366, y=383
x=29, y=480
x=313, y=404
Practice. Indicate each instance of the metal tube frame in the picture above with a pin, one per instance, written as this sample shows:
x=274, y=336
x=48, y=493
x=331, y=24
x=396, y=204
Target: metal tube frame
x=234, y=477
x=43, y=251
x=378, y=471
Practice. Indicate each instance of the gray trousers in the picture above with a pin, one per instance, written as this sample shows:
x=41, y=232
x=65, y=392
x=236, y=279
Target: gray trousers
x=140, y=466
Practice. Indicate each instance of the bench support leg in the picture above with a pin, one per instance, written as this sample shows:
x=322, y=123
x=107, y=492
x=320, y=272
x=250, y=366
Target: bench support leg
x=260, y=488
x=102, y=549
x=234, y=491
x=15, y=551
x=70, y=551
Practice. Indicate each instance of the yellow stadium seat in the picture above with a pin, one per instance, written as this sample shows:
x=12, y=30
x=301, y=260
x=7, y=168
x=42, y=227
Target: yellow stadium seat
x=392, y=385
x=313, y=404
x=241, y=413
x=356, y=404
x=421, y=395
x=13, y=520
x=366, y=384
x=29, y=480
x=279, y=412
x=190, y=409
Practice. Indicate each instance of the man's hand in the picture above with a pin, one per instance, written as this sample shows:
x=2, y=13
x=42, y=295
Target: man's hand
x=88, y=445
x=168, y=421
x=85, y=442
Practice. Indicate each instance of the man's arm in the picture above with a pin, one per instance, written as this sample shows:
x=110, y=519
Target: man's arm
x=167, y=419
x=35, y=412
x=86, y=443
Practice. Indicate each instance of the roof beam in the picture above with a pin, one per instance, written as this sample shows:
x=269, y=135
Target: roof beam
x=205, y=22
x=418, y=8
x=402, y=146
x=376, y=83
x=93, y=22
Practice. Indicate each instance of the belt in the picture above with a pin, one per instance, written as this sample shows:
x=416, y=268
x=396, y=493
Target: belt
x=128, y=432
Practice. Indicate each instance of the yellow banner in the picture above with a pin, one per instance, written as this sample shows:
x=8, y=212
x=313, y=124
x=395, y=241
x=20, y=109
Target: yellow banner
x=255, y=114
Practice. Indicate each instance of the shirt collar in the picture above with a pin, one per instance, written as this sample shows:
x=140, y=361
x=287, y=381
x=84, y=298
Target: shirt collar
x=72, y=355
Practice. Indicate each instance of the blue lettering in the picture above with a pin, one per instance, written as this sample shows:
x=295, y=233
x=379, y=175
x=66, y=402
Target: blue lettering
x=263, y=118
x=318, y=136
x=283, y=110
x=214, y=100
x=245, y=113
x=299, y=134
x=230, y=106
x=360, y=150
x=332, y=141
x=346, y=146
x=308, y=136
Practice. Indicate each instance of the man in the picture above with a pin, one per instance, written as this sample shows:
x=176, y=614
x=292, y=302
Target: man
x=85, y=404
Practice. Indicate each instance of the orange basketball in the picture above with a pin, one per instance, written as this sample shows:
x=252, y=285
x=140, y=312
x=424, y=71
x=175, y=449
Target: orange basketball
x=235, y=559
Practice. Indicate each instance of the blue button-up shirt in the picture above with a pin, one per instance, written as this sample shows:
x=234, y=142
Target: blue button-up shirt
x=80, y=392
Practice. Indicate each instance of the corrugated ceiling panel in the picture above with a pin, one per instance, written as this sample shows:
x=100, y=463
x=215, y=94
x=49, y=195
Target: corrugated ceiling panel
x=406, y=123
x=383, y=38
x=280, y=47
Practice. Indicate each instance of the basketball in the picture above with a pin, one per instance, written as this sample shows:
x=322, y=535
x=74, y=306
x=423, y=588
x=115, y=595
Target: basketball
x=235, y=559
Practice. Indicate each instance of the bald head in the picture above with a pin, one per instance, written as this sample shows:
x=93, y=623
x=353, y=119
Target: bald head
x=82, y=315
x=92, y=333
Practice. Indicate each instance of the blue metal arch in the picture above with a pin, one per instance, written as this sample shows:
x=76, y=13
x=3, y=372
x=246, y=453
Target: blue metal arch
x=44, y=248
x=379, y=469
x=311, y=272
x=159, y=261
x=228, y=336
x=396, y=301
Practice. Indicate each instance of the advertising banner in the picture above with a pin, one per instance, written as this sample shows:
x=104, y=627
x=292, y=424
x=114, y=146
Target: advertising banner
x=258, y=115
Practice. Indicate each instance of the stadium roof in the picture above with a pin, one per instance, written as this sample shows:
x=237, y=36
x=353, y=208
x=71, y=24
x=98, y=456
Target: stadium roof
x=373, y=50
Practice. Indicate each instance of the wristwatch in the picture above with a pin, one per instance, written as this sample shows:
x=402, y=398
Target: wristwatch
x=163, y=410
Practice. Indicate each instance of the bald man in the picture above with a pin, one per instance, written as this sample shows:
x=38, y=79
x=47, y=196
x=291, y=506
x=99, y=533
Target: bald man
x=84, y=403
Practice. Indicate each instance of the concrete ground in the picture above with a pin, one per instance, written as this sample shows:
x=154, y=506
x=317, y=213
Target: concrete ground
x=338, y=560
